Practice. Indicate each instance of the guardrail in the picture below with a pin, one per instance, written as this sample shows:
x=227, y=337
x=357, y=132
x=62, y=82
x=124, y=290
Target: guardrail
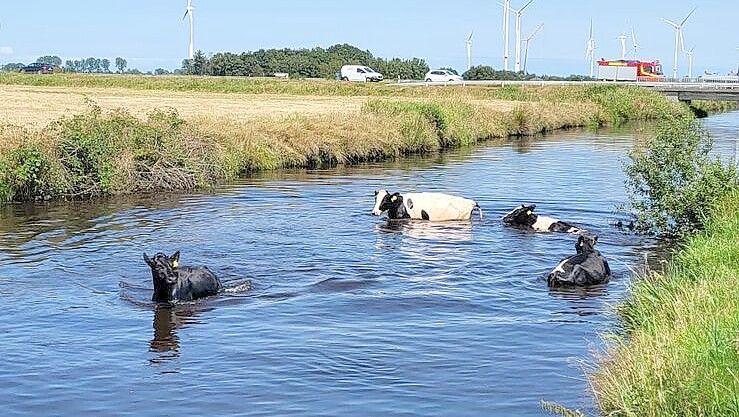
x=658, y=85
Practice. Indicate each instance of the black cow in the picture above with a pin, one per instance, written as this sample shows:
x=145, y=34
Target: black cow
x=173, y=283
x=524, y=217
x=587, y=267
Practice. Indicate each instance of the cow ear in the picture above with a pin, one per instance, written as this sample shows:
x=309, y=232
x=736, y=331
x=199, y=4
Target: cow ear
x=580, y=241
x=595, y=240
x=377, y=192
x=148, y=260
x=174, y=260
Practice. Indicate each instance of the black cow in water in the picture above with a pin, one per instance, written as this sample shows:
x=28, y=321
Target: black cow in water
x=524, y=217
x=586, y=267
x=174, y=283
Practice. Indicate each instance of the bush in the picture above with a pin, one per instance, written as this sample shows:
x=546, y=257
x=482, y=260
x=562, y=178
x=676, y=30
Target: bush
x=26, y=173
x=673, y=182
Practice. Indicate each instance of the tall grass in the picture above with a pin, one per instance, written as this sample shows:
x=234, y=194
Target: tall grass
x=678, y=354
x=102, y=153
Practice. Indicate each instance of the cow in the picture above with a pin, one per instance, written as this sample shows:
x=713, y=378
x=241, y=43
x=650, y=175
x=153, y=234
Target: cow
x=524, y=217
x=586, y=267
x=424, y=206
x=173, y=283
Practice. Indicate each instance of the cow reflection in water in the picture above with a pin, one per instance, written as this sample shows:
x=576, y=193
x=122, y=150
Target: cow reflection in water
x=167, y=320
x=453, y=231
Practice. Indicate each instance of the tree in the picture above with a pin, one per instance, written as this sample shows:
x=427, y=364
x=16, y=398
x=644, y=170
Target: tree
x=309, y=63
x=50, y=60
x=105, y=64
x=121, y=63
x=199, y=63
x=13, y=66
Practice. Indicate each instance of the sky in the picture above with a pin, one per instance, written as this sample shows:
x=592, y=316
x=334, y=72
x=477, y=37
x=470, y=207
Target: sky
x=152, y=34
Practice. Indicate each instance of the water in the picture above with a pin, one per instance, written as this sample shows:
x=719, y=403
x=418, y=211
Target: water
x=329, y=312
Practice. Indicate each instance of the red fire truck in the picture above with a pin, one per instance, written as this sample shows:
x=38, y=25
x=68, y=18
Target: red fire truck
x=625, y=70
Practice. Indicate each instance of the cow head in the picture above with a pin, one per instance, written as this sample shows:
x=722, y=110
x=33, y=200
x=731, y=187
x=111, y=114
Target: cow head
x=164, y=274
x=586, y=244
x=521, y=216
x=385, y=201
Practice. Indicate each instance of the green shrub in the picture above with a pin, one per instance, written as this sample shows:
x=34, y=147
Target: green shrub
x=27, y=174
x=672, y=180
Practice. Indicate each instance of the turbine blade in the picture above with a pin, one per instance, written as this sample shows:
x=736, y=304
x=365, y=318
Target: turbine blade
x=633, y=38
x=688, y=16
x=469, y=39
x=671, y=23
x=185, y=15
x=591, y=28
x=538, y=28
x=525, y=6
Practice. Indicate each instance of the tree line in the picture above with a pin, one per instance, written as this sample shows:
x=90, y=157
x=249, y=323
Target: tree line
x=301, y=63
x=91, y=65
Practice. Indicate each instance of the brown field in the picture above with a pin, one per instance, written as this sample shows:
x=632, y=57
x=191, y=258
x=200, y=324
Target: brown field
x=35, y=106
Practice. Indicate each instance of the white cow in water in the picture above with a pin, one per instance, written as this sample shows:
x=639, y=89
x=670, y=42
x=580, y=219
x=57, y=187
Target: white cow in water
x=424, y=206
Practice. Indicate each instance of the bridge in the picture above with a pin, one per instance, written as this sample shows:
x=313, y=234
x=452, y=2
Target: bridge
x=678, y=91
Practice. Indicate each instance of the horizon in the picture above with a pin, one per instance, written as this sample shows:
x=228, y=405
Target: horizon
x=159, y=35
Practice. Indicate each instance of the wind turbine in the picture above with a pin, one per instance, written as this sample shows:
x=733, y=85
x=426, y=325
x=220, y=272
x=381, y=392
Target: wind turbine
x=518, y=13
x=469, y=50
x=678, y=36
x=689, y=54
x=506, y=28
x=188, y=13
x=526, y=49
x=590, y=49
x=635, y=44
x=622, y=38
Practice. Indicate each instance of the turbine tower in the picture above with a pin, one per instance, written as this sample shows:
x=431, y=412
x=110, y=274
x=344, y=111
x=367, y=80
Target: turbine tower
x=188, y=13
x=469, y=50
x=518, y=13
x=622, y=38
x=526, y=48
x=678, y=36
x=590, y=49
x=506, y=29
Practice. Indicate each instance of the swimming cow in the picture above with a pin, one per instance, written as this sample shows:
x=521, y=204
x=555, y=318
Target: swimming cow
x=525, y=218
x=424, y=206
x=586, y=267
x=173, y=282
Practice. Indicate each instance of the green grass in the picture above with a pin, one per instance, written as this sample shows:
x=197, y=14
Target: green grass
x=678, y=353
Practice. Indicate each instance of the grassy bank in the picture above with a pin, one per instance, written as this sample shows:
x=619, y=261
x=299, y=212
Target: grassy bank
x=104, y=152
x=679, y=352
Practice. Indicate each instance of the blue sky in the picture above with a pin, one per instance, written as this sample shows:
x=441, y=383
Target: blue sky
x=151, y=34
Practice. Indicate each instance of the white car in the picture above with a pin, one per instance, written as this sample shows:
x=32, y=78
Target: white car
x=442, y=76
x=360, y=73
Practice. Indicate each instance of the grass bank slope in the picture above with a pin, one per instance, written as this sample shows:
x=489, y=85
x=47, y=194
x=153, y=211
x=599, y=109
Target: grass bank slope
x=103, y=152
x=678, y=354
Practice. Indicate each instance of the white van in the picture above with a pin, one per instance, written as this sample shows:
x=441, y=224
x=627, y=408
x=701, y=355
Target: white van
x=359, y=73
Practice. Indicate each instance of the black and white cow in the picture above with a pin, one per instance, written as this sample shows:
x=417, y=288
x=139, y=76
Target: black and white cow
x=424, y=206
x=525, y=218
x=173, y=282
x=586, y=267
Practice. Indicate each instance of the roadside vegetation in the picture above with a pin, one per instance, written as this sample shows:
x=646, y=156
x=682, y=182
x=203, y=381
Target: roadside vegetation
x=99, y=152
x=676, y=352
